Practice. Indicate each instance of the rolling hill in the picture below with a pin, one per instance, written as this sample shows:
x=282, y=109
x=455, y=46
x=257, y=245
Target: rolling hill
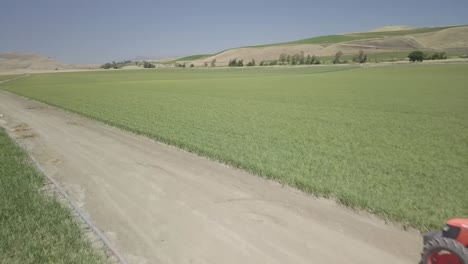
x=390, y=41
x=14, y=61
x=25, y=63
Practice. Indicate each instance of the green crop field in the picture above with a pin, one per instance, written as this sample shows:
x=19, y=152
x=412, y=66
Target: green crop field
x=391, y=140
x=34, y=227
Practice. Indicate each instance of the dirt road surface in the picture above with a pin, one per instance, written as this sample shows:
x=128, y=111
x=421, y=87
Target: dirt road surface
x=158, y=204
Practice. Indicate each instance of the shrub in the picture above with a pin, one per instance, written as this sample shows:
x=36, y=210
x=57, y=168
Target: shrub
x=439, y=56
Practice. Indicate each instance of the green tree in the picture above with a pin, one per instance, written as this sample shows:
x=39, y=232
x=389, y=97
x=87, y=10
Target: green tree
x=313, y=60
x=295, y=59
x=283, y=58
x=232, y=63
x=106, y=66
x=361, y=57
x=316, y=60
x=416, y=56
x=301, y=58
x=148, y=65
x=251, y=63
x=337, y=59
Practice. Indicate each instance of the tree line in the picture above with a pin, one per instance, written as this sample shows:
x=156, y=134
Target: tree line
x=418, y=55
x=284, y=59
x=240, y=63
x=361, y=57
x=120, y=64
x=116, y=65
x=297, y=59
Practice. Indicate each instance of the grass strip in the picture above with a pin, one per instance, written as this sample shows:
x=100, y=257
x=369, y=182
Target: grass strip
x=34, y=226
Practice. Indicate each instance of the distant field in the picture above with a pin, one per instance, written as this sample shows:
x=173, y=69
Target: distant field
x=330, y=39
x=193, y=57
x=35, y=228
x=391, y=140
x=398, y=32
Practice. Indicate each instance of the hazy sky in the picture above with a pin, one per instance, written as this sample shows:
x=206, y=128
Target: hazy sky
x=96, y=31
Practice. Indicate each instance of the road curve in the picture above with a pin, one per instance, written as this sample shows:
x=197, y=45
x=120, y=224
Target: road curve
x=158, y=204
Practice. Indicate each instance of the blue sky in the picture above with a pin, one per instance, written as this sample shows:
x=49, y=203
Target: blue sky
x=97, y=31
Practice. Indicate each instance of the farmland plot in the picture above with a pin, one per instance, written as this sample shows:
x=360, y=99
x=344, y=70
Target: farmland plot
x=390, y=140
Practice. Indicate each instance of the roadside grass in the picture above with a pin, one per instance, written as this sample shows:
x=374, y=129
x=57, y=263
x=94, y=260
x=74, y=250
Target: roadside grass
x=35, y=228
x=390, y=140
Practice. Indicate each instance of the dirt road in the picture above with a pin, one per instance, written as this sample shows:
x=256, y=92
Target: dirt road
x=158, y=204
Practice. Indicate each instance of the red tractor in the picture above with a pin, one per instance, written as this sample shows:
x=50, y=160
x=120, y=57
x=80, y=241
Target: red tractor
x=449, y=246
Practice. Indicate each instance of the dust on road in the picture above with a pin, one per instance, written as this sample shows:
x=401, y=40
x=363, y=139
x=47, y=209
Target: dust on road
x=158, y=204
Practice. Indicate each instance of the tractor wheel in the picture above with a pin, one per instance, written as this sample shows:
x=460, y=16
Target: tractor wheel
x=444, y=250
